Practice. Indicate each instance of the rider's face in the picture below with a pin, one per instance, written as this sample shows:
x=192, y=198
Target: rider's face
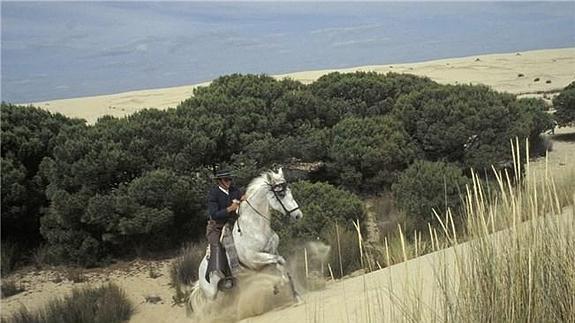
x=225, y=183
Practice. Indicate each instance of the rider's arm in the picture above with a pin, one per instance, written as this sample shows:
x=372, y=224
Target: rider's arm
x=213, y=211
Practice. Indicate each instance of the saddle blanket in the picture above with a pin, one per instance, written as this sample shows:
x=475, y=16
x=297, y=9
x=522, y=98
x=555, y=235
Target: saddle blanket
x=227, y=241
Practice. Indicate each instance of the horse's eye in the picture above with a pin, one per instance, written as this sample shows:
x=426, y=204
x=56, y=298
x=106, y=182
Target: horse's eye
x=280, y=188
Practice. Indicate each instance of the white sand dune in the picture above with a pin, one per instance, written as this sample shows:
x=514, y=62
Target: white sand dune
x=387, y=295
x=554, y=69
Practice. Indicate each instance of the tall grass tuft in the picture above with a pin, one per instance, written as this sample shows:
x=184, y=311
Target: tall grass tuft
x=184, y=270
x=105, y=304
x=344, y=256
x=10, y=288
x=519, y=265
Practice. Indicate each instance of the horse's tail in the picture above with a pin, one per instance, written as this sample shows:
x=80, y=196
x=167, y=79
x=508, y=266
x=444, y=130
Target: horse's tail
x=196, y=299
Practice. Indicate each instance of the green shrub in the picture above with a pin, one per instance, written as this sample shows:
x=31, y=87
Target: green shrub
x=367, y=93
x=368, y=153
x=149, y=212
x=564, y=105
x=468, y=124
x=28, y=135
x=429, y=185
x=105, y=304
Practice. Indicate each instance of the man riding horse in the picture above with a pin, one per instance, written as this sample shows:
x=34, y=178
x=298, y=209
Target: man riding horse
x=223, y=203
x=251, y=247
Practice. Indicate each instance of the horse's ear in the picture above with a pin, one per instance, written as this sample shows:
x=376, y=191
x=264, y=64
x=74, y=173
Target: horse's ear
x=281, y=172
x=269, y=177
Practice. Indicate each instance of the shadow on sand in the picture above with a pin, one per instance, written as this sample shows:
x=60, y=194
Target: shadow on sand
x=569, y=137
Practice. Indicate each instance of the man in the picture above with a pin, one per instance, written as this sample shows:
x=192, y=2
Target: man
x=223, y=203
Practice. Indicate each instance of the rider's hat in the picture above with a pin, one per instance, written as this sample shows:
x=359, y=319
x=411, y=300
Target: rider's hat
x=224, y=173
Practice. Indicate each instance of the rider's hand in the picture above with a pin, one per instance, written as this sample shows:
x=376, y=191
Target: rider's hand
x=233, y=207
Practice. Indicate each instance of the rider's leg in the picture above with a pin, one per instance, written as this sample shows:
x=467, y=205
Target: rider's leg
x=214, y=272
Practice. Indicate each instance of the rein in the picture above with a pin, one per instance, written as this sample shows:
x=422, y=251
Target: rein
x=282, y=188
x=258, y=212
x=283, y=206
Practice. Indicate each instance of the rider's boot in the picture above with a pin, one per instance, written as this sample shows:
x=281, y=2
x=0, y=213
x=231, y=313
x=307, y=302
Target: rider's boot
x=226, y=283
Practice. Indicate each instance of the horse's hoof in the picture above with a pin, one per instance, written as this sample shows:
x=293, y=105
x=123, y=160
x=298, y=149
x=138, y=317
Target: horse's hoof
x=298, y=300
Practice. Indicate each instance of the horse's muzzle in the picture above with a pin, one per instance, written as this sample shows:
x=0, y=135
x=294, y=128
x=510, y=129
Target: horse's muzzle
x=296, y=215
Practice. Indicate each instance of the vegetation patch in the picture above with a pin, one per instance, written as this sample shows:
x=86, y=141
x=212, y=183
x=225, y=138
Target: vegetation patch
x=184, y=269
x=105, y=304
x=91, y=193
x=564, y=105
x=426, y=186
x=523, y=273
x=10, y=287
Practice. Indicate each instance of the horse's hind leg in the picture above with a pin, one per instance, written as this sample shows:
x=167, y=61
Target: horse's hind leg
x=296, y=296
x=210, y=289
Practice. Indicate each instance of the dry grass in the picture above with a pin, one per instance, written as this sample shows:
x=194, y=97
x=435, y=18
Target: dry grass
x=184, y=270
x=76, y=275
x=10, y=288
x=344, y=256
x=514, y=261
x=520, y=265
x=105, y=304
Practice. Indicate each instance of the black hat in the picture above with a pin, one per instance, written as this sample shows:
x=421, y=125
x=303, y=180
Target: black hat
x=224, y=173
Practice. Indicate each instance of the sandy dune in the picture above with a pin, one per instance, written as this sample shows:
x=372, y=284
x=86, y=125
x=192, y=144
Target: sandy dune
x=555, y=68
x=389, y=294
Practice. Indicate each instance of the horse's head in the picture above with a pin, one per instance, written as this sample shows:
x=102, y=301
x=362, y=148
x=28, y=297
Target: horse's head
x=280, y=197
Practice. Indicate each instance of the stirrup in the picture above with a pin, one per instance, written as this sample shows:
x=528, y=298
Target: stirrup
x=226, y=283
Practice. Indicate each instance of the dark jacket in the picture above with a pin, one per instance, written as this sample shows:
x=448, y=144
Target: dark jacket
x=218, y=201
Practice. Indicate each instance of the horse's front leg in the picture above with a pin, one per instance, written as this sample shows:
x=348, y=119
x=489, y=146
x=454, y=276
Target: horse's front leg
x=257, y=260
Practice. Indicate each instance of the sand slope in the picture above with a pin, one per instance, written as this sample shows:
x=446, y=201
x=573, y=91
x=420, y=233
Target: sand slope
x=390, y=294
x=555, y=69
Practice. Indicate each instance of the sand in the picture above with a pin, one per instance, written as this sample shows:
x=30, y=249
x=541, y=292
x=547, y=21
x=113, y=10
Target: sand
x=387, y=295
x=358, y=299
x=555, y=68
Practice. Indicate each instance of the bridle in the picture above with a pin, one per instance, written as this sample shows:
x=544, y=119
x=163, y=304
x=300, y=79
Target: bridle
x=279, y=191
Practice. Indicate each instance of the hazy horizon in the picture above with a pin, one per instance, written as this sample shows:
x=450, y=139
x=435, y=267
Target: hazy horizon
x=56, y=50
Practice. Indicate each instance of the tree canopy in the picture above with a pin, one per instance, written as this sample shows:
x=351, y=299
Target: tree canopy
x=28, y=136
x=92, y=192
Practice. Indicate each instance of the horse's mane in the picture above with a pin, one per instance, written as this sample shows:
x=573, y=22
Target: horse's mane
x=260, y=181
x=256, y=184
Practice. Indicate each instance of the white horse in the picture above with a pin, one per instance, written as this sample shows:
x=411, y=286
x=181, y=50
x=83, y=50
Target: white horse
x=255, y=241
